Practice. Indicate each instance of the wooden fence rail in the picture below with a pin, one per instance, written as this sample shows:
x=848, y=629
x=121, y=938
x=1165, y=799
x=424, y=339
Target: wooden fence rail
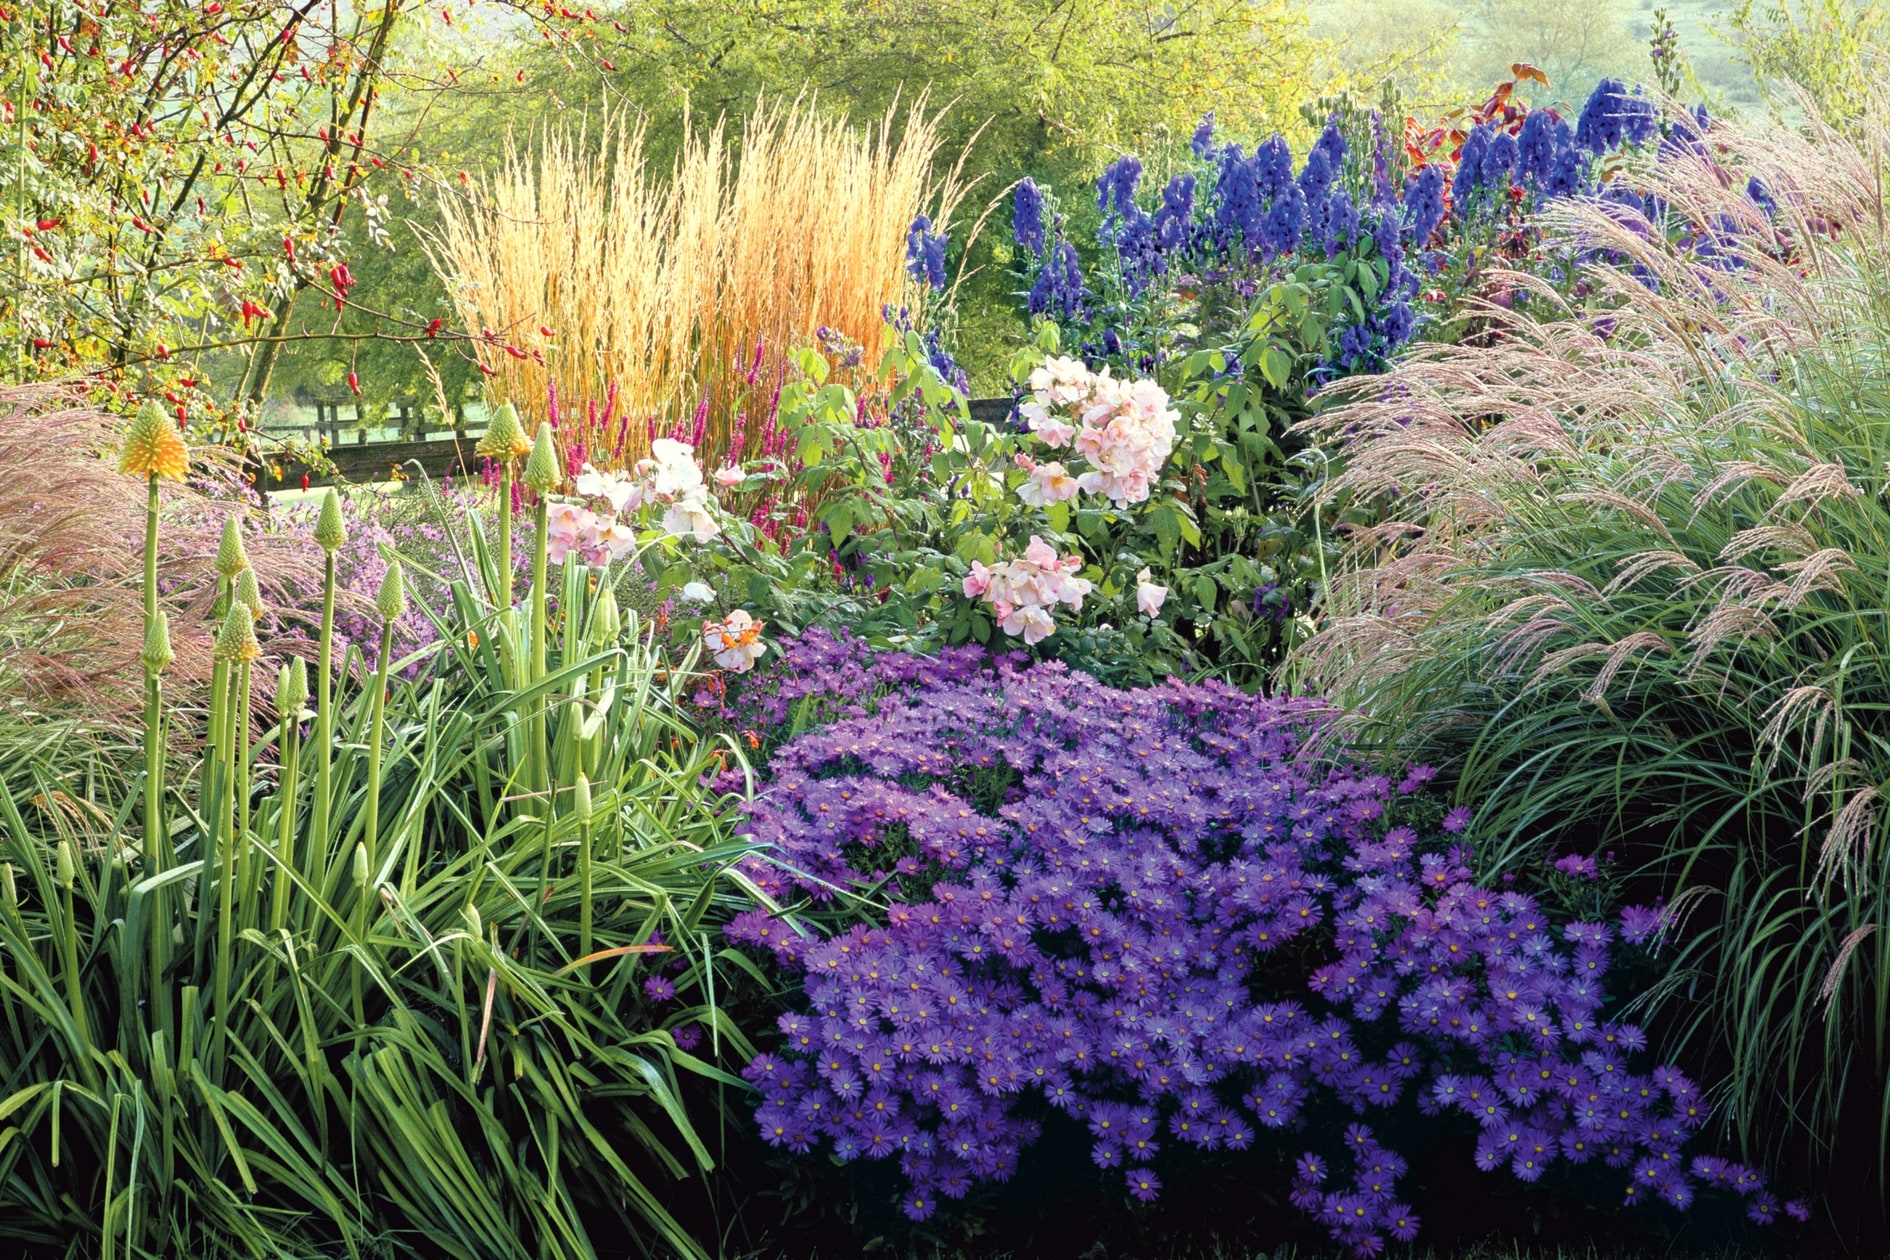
x=449, y=454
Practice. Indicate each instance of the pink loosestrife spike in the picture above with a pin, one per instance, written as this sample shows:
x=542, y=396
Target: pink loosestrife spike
x=551, y=402
x=702, y=422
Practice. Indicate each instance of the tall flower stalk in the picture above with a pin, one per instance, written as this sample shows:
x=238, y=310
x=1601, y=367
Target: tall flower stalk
x=154, y=449
x=331, y=534
x=390, y=603
x=291, y=697
x=542, y=477
x=505, y=444
x=236, y=650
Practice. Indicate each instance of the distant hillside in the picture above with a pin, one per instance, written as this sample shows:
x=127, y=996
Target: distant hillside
x=1439, y=51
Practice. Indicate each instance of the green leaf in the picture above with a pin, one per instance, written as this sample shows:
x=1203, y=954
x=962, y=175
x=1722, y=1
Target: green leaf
x=1205, y=591
x=976, y=546
x=1276, y=365
x=839, y=520
x=1166, y=522
x=1232, y=466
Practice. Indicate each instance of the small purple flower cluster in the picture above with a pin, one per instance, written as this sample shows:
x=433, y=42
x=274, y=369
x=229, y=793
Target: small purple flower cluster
x=1059, y=289
x=1613, y=116
x=925, y=253
x=1083, y=893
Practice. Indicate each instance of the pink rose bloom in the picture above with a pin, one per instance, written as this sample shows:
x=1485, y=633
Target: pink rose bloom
x=730, y=475
x=1148, y=595
x=977, y=580
x=611, y=542
x=1050, y=430
x=566, y=527
x=1049, y=483
x=1032, y=622
x=1040, y=553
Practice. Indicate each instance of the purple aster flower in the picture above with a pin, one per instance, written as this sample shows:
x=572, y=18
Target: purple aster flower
x=1638, y=924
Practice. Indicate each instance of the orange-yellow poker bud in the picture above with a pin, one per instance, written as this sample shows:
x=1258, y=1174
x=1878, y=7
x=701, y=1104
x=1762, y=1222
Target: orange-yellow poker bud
x=154, y=446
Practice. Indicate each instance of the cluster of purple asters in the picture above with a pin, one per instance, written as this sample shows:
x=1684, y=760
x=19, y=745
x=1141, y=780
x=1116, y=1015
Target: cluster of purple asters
x=1009, y=885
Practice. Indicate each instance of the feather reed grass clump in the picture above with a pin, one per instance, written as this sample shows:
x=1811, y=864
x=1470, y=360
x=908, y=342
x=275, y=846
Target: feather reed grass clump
x=679, y=300
x=1632, y=582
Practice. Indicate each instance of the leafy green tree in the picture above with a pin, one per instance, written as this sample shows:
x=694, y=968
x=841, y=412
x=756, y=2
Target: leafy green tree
x=1831, y=50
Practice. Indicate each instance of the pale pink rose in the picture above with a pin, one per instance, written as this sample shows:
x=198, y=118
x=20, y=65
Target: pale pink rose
x=674, y=471
x=1032, y=622
x=614, y=488
x=689, y=515
x=977, y=580
x=1148, y=595
x=566, y=527
x=1049, y=483
x=1051, y=431
x=1040, y=553
x=730, y=475
x=614, y=541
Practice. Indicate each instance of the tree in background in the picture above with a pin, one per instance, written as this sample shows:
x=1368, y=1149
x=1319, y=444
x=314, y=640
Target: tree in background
x=1830, y=50
x=179, y=170
x=1048, y=88
x=188, y=187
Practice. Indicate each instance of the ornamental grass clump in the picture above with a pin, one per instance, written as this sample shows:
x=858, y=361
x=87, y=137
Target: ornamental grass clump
x=680, y=299
x=1630, y=583
x=74, y=579
x=376, y=984
x=1153, y=911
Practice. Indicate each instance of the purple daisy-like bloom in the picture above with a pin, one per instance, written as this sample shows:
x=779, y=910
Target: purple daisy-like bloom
x=1638, y=924
x=1457, y=819
x=1144, y=1184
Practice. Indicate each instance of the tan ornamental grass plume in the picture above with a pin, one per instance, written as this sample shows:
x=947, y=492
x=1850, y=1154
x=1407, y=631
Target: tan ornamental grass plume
x=685, y=295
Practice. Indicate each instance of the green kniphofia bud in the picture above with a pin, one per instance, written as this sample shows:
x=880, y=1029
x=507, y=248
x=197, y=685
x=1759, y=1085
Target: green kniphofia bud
x=505, y=439
x=236, y=641
x=331, y=532
x=157, y=655
x=247, y=592
x=232, y=558
x=9, y=888
x=292, y=688
x=581, y=800
x=607, y=622
x=360, y=866
x=62, y=865
x=474, y=927
x=542, y=473
x=392, y=600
